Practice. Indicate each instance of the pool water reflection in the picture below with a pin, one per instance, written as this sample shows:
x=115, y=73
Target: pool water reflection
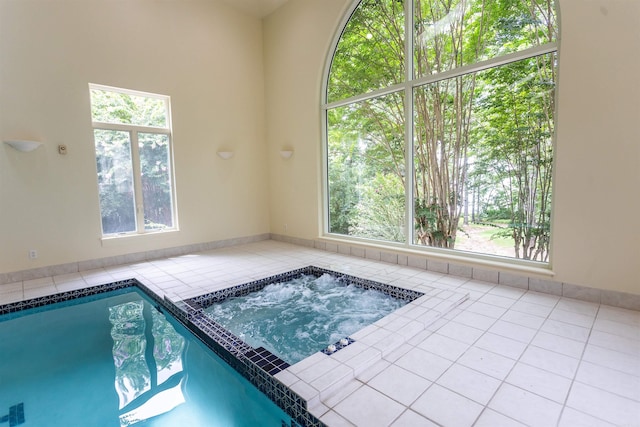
x=118, y=361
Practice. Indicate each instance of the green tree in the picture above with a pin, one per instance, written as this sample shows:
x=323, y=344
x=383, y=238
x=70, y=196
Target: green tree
x=516, y=131
x=381, y=210
x=461, y=116
x=114, y=160
x=365, y=143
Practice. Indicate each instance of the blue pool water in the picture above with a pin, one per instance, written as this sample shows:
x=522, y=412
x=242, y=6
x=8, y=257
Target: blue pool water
x=117, y=361
x=297, y=318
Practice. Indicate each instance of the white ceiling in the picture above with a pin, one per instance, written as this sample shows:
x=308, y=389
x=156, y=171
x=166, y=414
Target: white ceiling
x=259, y=8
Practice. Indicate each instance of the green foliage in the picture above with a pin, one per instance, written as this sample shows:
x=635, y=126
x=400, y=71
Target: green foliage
x=114, y=157
x=432, y=223
x=343, y=179
x=156, y=180
x=516, y=131
x=117, y=107
x=380, y=211
x=365, y=145
x=115, y=181
x=370, y=54
x=485, y=135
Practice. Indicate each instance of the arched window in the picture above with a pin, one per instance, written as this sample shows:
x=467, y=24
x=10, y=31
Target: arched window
x=440, y=118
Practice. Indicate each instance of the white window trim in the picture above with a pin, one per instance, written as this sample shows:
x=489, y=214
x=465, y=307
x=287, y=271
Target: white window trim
x=407, y=88
x=133, y=131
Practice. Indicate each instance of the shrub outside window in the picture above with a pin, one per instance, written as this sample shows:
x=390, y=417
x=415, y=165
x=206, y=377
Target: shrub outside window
x=132, y=136
x=440, y=118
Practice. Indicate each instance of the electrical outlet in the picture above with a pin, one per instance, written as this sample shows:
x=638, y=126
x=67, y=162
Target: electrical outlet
x=33, y=254
x=286, y=228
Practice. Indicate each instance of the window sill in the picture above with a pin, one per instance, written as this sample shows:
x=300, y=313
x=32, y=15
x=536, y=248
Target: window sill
x=125, y=238
x=469, y=259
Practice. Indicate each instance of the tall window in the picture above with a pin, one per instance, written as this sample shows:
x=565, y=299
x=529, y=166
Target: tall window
x=440, y=114
x=132, y=135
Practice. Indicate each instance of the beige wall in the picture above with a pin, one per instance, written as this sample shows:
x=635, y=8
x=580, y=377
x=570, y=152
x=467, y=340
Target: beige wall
x=209, y=59
x=202, y=53
x=597, y=183
x=597, y=194
x=297, y=40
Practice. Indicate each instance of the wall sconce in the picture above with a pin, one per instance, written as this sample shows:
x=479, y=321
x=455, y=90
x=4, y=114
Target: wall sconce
x=23, y=145
x=286, y=154
x=225, y=155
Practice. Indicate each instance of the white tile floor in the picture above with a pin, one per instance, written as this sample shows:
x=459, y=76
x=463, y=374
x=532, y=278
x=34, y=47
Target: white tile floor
x=505, y=357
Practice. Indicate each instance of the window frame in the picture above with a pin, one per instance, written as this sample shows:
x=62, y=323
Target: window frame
x=407, y=87
x=134, y=131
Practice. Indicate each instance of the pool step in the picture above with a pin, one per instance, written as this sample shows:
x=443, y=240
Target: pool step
x=325, y=379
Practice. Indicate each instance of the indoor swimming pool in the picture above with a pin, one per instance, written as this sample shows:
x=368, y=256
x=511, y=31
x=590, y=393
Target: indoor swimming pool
x=116, y=359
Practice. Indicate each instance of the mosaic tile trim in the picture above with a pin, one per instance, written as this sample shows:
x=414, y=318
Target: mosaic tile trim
x=266, y=360
x=179, y=310
x=236, y=357
x=259, y=365
x=230, y=348
x=285, y=398
x=224, y=338
x=69, y=296
x=207, y=300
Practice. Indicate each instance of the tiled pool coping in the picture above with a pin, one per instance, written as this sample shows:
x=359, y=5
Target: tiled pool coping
x=207, y=300
x=296, y=389
x=289, y=401
x=319, y=376
x=262, y=357
x=258, y=365
x=32, y=303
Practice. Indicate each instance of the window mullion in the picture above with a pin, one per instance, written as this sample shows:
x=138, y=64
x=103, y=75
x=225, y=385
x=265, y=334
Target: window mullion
x=444, y=75
x=408, y=115
x=128, y=127
x=137, y=181
x=489, y=63
x=369, y=95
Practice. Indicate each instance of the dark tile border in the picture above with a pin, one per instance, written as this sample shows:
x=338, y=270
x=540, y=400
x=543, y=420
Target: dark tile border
x=228, y=347
x=259, y=365
x=268, y=361
x=256, y=365
x=209, y=299
x=69, y=296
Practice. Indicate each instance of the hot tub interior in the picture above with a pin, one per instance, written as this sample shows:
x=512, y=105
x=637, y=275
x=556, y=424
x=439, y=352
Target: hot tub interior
x=296, y=314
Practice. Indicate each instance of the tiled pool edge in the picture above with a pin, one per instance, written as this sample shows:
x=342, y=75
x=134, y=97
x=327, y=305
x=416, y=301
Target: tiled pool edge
x=15, y=307
x=208, y=299
x=319, y=377
x=286, y=399
x=293, y=390
x=290, y=392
